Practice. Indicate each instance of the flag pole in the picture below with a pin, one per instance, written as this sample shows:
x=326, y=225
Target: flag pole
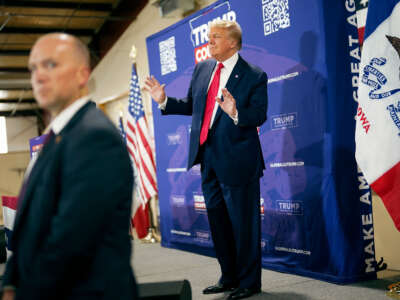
x=152, y=235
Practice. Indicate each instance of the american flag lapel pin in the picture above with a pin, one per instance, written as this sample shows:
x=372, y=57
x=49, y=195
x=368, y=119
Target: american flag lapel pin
x=58, y=139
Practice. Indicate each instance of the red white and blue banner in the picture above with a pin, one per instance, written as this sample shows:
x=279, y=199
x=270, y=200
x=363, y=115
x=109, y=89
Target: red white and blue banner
x=315, y=205
x=10, y=202
x=378, y=113
x=9, y=211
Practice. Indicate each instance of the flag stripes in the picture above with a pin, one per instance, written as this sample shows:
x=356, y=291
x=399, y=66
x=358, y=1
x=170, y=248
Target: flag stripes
x=138, y=142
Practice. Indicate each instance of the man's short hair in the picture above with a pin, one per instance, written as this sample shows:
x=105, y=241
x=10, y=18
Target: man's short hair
x=81, y=49
x=233, y=28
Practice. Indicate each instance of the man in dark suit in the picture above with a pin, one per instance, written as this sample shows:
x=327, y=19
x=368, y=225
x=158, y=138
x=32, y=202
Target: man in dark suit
x=71, y=233
x=227, y=99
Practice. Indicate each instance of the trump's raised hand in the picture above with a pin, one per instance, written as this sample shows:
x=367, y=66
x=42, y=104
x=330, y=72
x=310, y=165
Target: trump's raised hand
x=229, y=103
x=155, y=89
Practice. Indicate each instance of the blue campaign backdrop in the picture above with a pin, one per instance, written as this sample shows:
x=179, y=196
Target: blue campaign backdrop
x=315, y=205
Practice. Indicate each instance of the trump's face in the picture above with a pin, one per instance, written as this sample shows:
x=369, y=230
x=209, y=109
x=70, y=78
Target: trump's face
x=220, y=44
x=55, y=73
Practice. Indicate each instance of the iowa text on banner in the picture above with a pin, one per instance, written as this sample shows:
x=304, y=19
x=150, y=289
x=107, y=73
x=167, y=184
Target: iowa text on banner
x=378, y=113
x=138, y=141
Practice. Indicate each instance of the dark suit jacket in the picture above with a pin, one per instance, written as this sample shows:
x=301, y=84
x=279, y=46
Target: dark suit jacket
x=71, y=233
x=238, y=157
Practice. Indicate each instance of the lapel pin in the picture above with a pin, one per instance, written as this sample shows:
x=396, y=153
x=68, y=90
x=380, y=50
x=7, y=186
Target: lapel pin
x=236, y=76
x=58, y=139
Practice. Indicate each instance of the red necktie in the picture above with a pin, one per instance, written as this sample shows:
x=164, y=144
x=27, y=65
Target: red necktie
x=210, y=103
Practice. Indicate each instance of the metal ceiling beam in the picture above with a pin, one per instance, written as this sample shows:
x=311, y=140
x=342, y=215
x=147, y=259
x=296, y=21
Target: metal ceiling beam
x=13, y=61
x=14, y=52
x=21, y=113
x=27, y=15
x=58, y=5
x=14, y=70
x=16, y=94
x=11, y=75
x=17, y=87
x=110, y=32
x=13, y=102
x=18, y=101
x=18, y=106
x=33, y=30
x=15, y=84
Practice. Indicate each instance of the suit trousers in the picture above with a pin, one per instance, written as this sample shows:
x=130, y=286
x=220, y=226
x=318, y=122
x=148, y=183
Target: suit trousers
x=235, y=224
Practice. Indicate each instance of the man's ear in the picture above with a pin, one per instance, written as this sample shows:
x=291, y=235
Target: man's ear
x=83, y=75
x=233, y=43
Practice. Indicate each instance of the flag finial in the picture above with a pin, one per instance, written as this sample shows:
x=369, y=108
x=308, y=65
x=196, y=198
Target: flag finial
x=133, y=53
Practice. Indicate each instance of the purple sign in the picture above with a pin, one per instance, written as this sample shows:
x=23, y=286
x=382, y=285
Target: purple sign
x=35, y=144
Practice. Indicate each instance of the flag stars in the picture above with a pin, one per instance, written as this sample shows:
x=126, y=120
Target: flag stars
x=135, y=99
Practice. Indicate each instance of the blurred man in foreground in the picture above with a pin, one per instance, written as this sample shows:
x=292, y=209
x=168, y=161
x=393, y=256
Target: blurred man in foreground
x=71, y=230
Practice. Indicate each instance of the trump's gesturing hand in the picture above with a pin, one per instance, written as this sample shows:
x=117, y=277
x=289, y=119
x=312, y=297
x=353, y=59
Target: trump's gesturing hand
x=155, y=89
x=229, y=103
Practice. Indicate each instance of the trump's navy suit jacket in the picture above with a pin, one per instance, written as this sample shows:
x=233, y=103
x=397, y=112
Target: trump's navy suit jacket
x=237, y=157
x=71, y=234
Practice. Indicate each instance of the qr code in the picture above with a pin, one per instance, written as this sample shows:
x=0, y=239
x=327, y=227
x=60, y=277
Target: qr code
x=168, y=56
x=275, y=15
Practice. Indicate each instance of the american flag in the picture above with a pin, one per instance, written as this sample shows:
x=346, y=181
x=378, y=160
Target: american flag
x=121, y=126
x=138, y=141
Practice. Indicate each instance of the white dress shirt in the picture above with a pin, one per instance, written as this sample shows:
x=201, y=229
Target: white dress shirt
x=62, y=119
x=226, y=71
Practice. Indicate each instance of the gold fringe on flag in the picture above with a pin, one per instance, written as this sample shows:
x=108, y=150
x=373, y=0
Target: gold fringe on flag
x=394, y=290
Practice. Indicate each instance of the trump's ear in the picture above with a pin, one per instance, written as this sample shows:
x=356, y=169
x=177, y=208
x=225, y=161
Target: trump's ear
x=233, y=43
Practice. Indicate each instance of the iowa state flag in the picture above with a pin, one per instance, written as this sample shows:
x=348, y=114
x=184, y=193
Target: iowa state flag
x=361, y=11
x=378, y=113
